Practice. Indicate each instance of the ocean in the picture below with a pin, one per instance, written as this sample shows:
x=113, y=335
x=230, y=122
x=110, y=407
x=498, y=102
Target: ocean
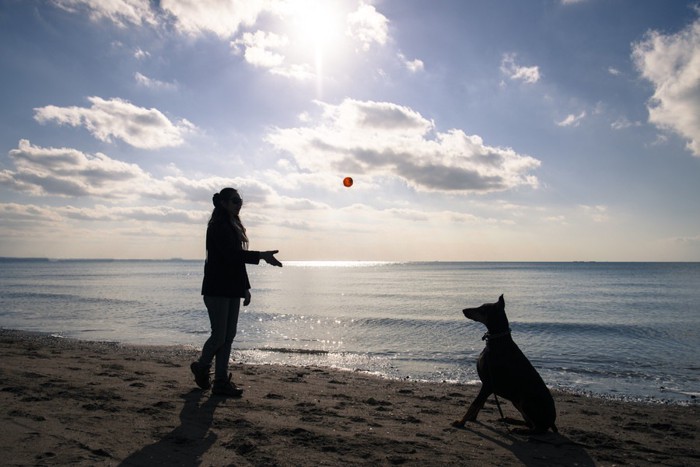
x=627, y=331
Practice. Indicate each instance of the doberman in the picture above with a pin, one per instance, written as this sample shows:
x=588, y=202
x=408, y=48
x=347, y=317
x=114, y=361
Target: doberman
x=506, y=371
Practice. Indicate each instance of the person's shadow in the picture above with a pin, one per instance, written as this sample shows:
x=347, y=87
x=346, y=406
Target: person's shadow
x=186, y=444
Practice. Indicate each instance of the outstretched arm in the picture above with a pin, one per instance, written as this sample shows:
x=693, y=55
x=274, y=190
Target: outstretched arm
x=269, y=257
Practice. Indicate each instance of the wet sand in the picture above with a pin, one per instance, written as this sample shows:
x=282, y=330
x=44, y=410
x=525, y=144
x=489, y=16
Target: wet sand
x=89, y=403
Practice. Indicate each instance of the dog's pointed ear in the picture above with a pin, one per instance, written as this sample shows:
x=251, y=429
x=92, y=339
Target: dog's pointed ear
x=501, y=301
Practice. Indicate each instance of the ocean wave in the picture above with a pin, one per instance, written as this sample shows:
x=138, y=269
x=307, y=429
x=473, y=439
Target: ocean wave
x=72, y=298
x=292, y=351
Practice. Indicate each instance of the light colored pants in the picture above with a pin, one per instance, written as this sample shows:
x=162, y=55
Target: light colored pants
x=223, y=316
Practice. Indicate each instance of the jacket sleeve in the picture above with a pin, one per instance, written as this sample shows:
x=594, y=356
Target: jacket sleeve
x=251, y=257
x=226, y=243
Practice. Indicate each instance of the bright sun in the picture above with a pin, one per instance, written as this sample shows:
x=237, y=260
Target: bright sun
x=317, y=22
x=319, y=28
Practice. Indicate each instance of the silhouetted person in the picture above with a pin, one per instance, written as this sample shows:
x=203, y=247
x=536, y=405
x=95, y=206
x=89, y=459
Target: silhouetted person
x=225, y=283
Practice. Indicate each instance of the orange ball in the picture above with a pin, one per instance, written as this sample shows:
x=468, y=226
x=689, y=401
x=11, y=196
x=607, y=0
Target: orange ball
x=347, y=182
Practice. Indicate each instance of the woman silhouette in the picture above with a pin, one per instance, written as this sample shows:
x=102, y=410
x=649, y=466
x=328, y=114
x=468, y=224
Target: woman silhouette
x=225, y=283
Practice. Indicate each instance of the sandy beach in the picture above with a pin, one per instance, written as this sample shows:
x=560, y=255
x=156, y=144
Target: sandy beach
x=94, y=403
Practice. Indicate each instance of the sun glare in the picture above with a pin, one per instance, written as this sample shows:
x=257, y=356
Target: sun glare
x=318, y=29
x=318, y=21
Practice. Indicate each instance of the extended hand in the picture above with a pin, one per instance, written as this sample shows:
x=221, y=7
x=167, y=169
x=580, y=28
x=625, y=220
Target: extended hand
x=269, y=257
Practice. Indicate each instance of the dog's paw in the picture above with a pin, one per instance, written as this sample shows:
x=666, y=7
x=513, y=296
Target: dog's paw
x=458, y=424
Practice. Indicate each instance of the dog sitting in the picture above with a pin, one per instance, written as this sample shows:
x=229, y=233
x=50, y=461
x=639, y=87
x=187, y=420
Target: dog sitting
x=506, y=371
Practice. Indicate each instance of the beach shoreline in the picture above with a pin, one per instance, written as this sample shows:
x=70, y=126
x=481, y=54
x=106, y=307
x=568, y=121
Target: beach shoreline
x=75, y=402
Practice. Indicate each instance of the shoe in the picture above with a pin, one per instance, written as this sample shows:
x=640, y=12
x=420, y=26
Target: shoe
x=201, y=375
x=226, y=388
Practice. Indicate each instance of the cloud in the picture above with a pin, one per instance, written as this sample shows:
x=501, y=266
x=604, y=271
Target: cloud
x=386, y=139
x=233, y=20
x=298, y=71
x=597, y=213
x=622, y=123
x=264, y=50
x=14, y=212
x=414, y=66
x=203, y=189
x=116, y=118
x=256, y=48
x=670, y=63
x=529, y=75
x=119, y=12
x=689, y=241
x=151, y=83
x=191, y=17
x=572, y=120
x=69, y=172
x=220, y=17
x=368, y=26
x=159, y=213
x=140, y=54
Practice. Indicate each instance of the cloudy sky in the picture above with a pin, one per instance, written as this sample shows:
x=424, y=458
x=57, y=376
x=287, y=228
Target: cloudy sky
x=503, y=130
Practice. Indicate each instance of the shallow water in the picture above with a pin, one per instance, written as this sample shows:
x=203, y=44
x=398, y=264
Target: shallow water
x=624, y=330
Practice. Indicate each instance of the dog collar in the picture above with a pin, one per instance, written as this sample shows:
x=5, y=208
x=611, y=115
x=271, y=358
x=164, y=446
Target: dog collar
x=488, y=336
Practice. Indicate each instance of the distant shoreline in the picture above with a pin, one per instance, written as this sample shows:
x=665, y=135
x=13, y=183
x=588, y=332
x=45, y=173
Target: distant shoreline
x=24, y=259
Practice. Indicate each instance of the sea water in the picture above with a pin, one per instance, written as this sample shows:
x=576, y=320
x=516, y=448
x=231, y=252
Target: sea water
x=621, y=330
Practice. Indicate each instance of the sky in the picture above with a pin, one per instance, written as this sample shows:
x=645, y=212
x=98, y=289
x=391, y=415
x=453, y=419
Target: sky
x=507, y=130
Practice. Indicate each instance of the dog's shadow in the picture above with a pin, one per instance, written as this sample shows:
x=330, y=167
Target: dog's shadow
x=532, y=450
x=186, y=443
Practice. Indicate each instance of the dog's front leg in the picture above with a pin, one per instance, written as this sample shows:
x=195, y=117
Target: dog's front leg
x=476, y=406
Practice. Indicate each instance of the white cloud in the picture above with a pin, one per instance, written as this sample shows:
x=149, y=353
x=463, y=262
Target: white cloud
x=140, y=54
x=414, y=66
x=298, y=71
x=597, y=213
x=529, y=75
x=120, y=12
x=318, y=21
x=160, y=213
x=192, y=17
x=572, y=120
x=220, y=17
x=558, y=219
x=14, y=212
x=622, y=123
x=117, y=118
x=203, y=188
x=69, y=172
x=264, y=49
x=691, y=241
x=368, y=26
x=614, y=71
x=257, y=48
x=672, y=64
x=151, y=83
x=660, y=140
x=386, y=139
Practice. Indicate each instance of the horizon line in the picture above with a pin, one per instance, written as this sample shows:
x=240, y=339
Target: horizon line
x=176, y=259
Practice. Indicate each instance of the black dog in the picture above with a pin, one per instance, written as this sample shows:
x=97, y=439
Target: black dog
x=506, y=371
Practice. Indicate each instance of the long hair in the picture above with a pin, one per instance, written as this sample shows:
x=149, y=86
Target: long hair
x=220, y=214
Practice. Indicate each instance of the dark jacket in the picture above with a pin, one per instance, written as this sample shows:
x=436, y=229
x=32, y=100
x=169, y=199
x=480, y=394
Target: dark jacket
x=225, y=274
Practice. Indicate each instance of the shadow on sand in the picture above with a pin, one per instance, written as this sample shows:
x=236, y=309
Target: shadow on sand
x=534, y=450
x=186, y=444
